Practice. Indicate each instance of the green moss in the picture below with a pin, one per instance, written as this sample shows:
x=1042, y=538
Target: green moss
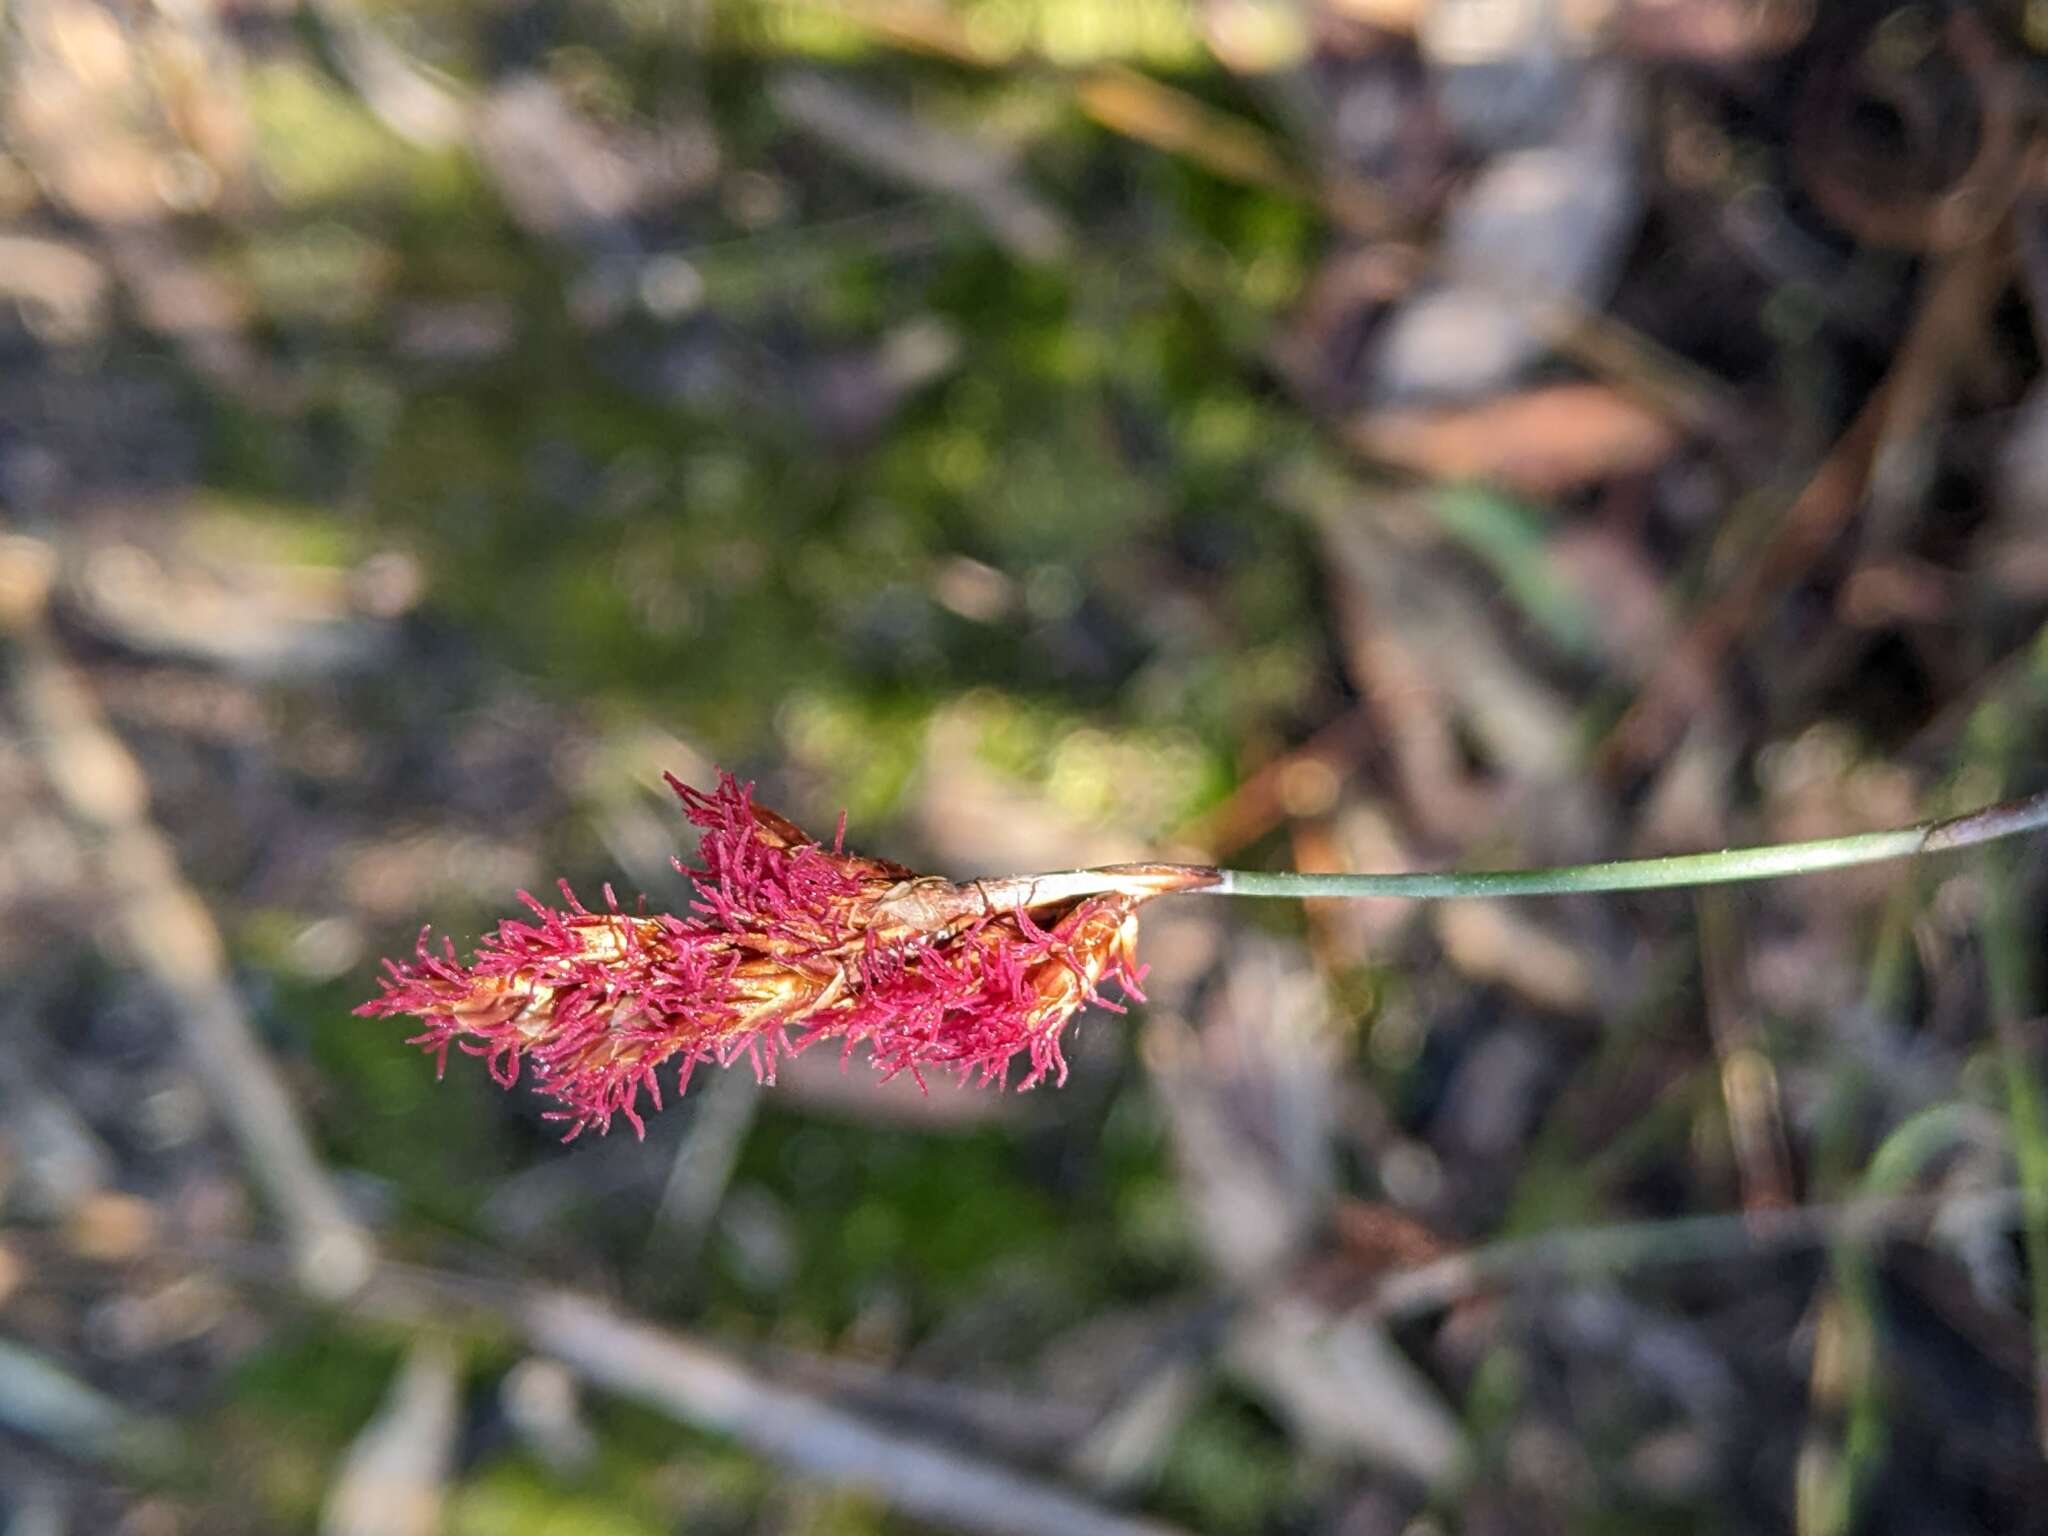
x=877, y=1206
x=1229, y=1469
x=513, y=1497
x=789, y=29
x=257, y=528
x=1070, y=33
x=290, y=1410
x=933, y=1223
x=867, y=749
x=321, y=273
x=438, y=1146
x=1145, y=779
x=316, y=144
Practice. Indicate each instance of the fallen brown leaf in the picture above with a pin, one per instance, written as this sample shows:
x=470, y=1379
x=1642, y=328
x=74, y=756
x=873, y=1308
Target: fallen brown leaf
x=1542, y=442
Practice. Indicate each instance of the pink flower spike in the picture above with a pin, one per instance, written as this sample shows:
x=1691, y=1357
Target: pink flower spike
x=786, y=943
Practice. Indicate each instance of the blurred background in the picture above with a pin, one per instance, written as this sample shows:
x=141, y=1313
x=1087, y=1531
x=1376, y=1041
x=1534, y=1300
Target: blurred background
x=1330, y=434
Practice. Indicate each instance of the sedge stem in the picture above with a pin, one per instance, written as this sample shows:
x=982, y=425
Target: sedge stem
x=1989, y=824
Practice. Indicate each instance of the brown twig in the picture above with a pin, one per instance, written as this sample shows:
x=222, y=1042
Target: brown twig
x=1749, y=1079
x=1148, y=111
x=1809, y=525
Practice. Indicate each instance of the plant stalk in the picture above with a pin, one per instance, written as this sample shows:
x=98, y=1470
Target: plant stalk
x=2009, y=818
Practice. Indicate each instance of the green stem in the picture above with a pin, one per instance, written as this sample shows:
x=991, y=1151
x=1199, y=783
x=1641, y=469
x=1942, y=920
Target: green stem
x=2009, y=980
x=2008, y=819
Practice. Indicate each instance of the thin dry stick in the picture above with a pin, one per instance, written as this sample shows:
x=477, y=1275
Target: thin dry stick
x=169, y=932
x=705, y=1387
x=697, y=1384
x=1583, y=1252
x=897, y=146
x=1145, y=110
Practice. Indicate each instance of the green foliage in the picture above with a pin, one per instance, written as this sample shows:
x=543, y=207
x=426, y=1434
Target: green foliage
x=290, y=1411
x=935, y=1224
x=436, y=1146
x=1229, y=1468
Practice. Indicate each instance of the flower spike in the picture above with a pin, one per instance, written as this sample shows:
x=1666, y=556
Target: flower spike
x=787, y=942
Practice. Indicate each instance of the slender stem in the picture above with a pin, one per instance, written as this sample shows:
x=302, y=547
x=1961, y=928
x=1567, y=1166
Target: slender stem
x=1584, y=1252
x=2008, y=819
x=2009, y=976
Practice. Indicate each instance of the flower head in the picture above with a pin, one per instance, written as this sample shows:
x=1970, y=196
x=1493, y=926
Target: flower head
x=786, y=943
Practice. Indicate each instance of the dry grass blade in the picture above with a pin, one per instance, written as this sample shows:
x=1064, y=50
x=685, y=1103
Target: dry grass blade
x=878, y=137
x=1141, y=108
x=1749, y=1079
